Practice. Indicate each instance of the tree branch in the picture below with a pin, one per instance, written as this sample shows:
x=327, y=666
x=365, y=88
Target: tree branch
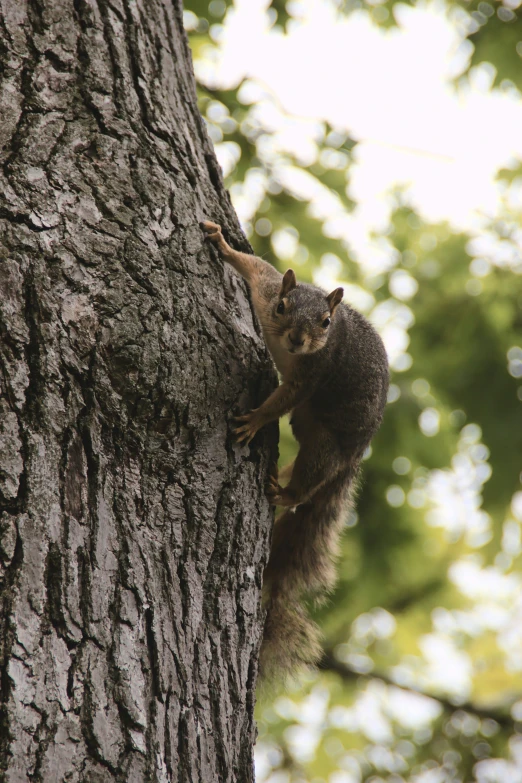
x=500, y=715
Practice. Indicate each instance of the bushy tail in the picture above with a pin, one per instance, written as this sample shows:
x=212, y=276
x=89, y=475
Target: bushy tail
x=301, y=565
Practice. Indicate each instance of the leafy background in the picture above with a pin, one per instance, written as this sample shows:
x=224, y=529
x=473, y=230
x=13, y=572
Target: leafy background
x=422, y=675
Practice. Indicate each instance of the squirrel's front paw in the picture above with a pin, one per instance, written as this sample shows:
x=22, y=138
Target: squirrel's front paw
x=250, y=423
x=213, y=232
x=210, y=228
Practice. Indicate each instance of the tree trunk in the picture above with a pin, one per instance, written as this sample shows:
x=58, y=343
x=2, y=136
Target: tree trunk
x=133, y=529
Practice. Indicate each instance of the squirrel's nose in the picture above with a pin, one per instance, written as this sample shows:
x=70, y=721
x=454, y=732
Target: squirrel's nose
x=296, y=339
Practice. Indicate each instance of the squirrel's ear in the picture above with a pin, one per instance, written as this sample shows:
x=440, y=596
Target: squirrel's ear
x=334, y=298
x=289, y=282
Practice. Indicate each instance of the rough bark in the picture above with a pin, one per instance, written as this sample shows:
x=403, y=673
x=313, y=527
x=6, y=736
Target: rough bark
x=133, y=530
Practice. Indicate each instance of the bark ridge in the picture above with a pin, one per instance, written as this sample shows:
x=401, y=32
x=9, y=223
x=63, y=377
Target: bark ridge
x=133, y=530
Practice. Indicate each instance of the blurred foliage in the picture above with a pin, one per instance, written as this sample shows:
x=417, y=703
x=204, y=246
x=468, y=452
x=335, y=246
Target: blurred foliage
x=494, y=28
x=422, y=676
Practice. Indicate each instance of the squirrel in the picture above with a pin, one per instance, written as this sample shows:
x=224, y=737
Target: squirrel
x=335, y=376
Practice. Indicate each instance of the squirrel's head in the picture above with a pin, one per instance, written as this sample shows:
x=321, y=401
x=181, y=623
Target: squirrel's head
x=302, y=315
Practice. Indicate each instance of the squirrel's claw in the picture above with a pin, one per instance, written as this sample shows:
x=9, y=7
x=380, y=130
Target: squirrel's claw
x=242, y=434
x=246, y=417
x=212, y=231
x=210, y=228
x=273, y=484
x=248, y=429
x=273, y=493
x=278, y=495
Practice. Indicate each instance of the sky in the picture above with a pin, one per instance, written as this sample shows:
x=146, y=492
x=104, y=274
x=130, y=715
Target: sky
x=394, y=90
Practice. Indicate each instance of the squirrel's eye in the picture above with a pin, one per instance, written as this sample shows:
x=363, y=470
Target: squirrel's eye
x=326, y=323
x=280, y=308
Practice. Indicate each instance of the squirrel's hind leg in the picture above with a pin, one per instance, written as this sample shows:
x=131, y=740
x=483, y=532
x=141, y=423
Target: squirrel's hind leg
x=274, y=490
x=318, y=462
